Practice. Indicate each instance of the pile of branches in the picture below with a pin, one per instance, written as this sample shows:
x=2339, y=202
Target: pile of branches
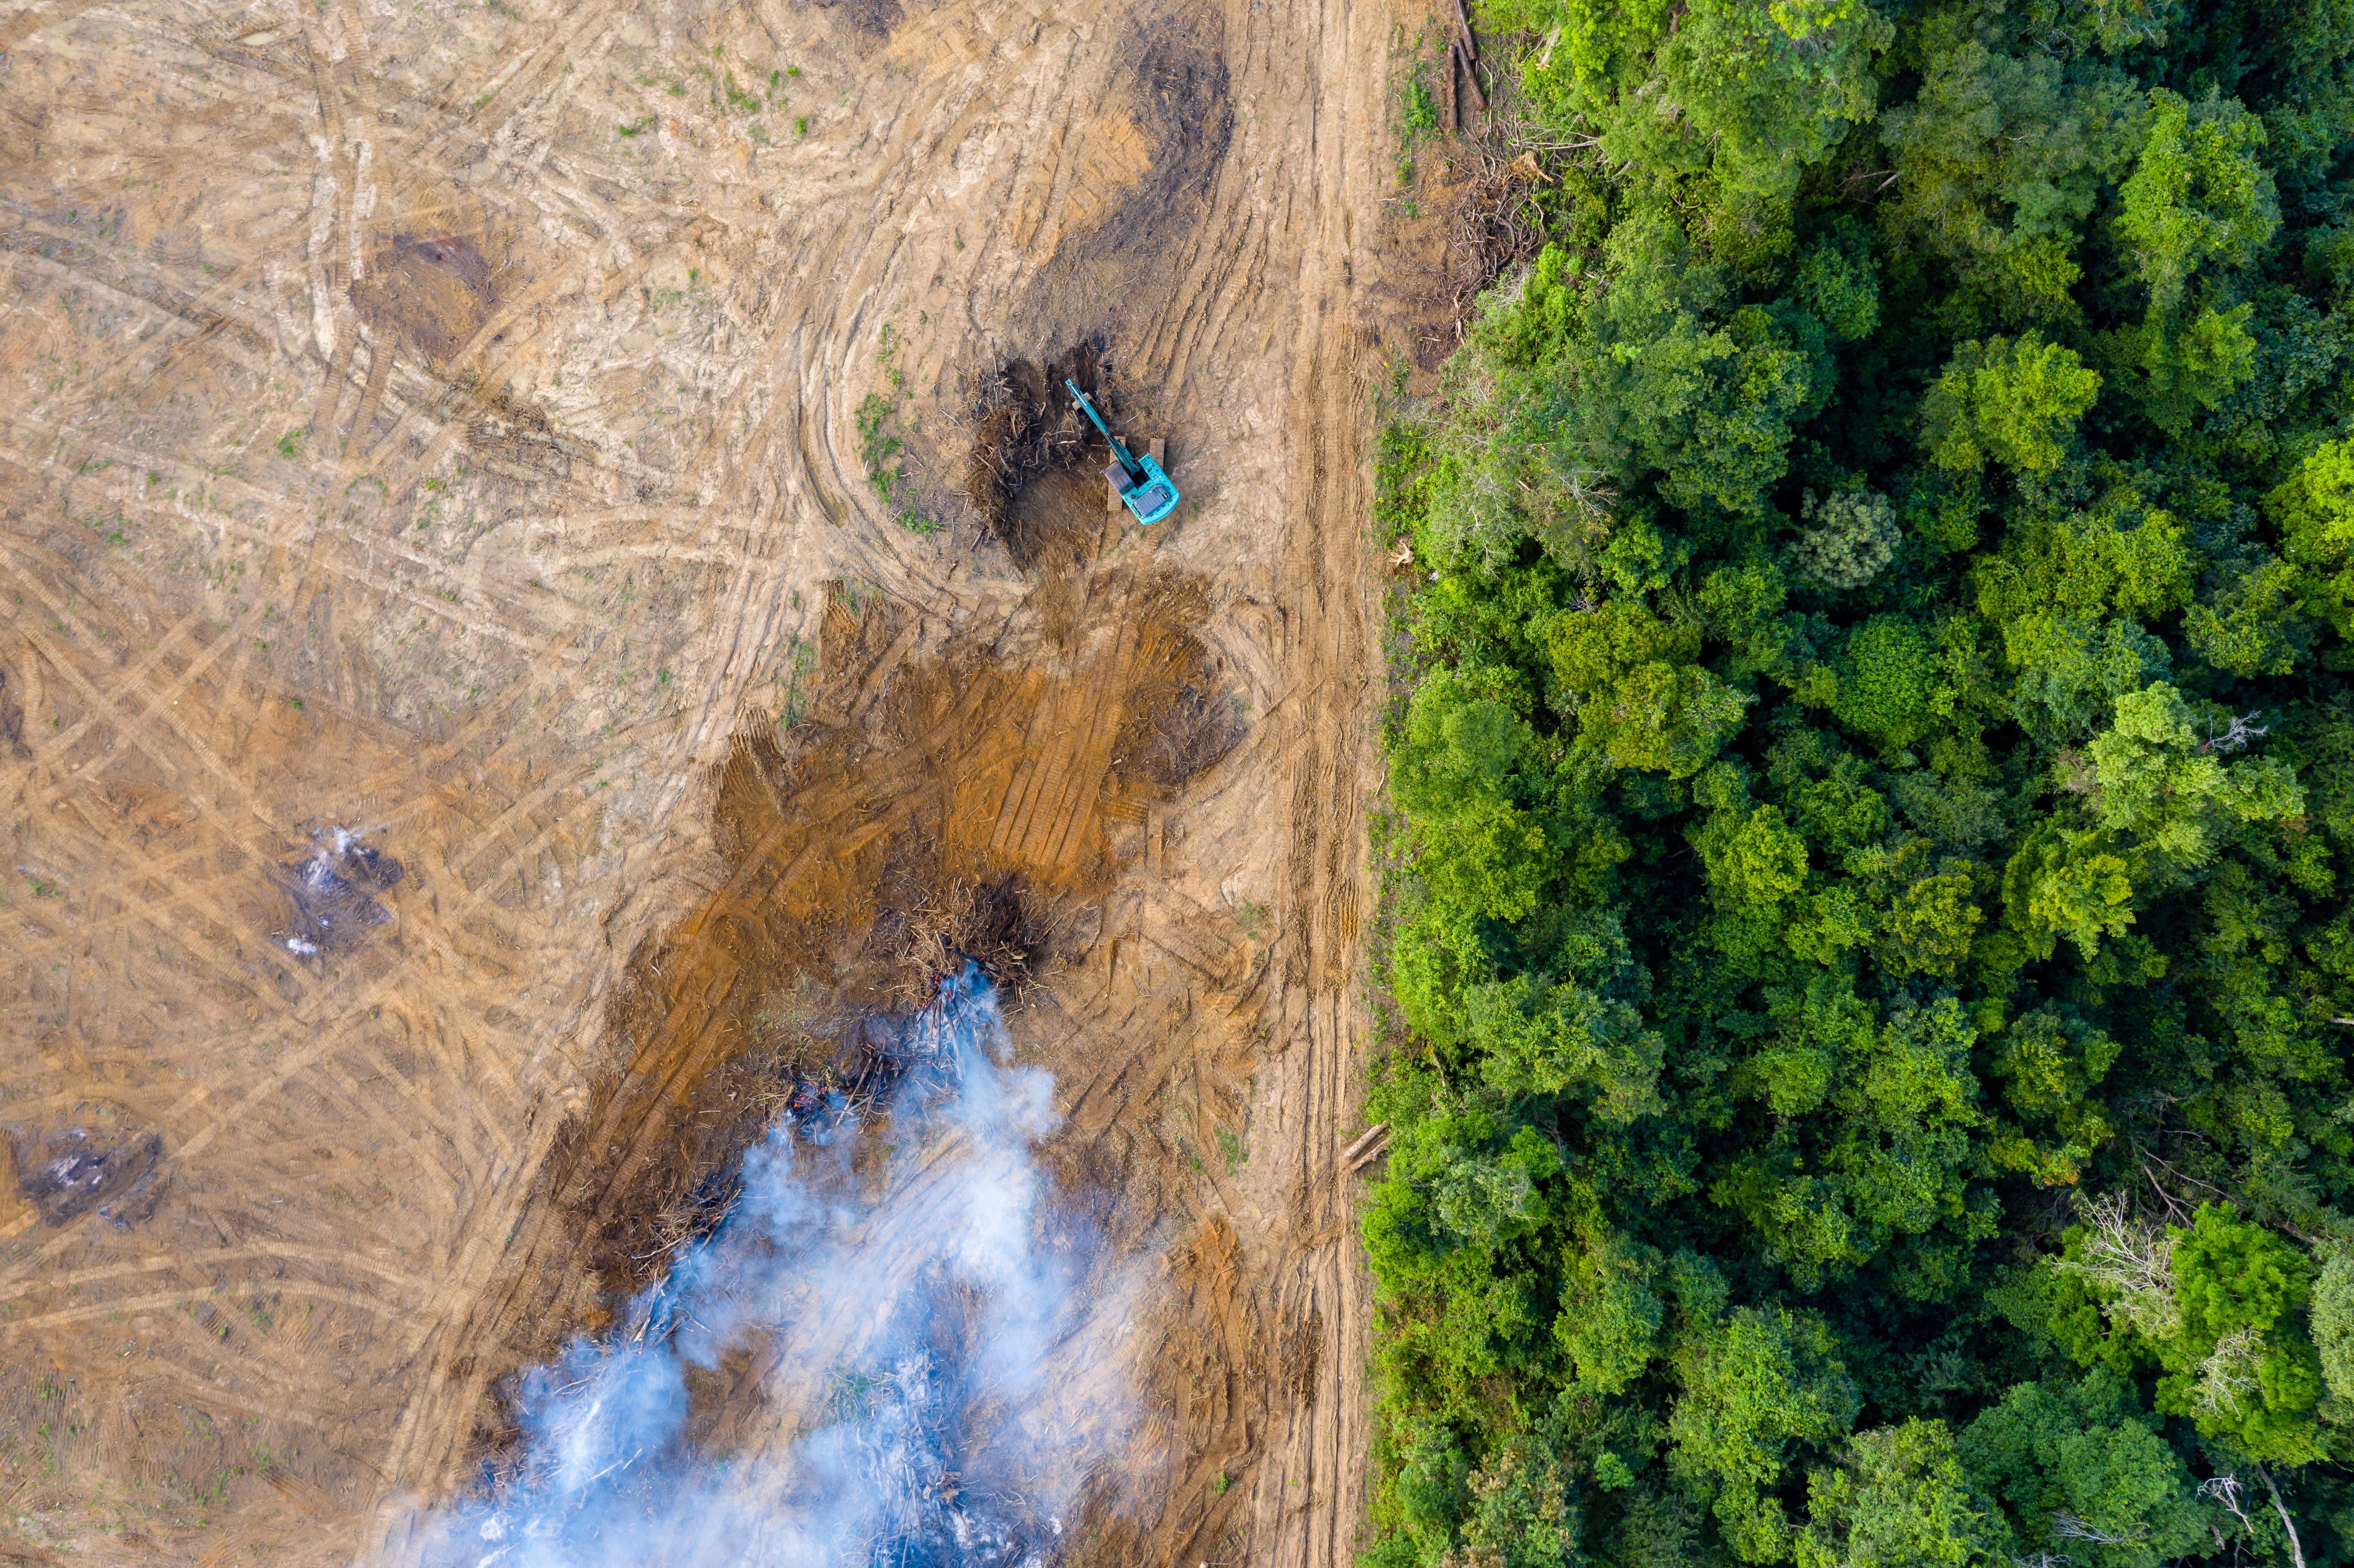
x=1025, y=426
x=992, y=922
x=1494, y=222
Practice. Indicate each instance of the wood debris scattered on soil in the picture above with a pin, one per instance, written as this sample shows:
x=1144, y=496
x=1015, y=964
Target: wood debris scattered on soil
x=448, y=422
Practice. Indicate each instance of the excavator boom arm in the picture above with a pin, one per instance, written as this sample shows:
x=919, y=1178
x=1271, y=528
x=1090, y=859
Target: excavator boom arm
x=1135, y=469
x=1143, y=487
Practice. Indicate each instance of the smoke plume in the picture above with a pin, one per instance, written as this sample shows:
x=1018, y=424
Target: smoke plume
x=930, y=1375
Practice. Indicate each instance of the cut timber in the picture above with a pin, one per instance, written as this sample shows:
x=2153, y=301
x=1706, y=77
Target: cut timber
x=1368, y=1145
x=1469, y=51
x=1472, y=73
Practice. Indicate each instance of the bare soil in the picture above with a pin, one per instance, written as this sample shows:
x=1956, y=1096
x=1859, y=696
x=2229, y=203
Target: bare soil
x=483, y=698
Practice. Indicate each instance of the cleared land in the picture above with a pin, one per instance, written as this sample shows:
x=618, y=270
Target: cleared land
x=460, y=424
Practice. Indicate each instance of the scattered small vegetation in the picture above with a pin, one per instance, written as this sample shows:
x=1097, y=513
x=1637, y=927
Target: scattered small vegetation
x=879, y=449
x=876, y=448
x=800, y=664
x=1415, y=105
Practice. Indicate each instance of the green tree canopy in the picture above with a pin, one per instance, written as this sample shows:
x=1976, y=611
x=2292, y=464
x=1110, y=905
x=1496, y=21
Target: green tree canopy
x=1865, y=951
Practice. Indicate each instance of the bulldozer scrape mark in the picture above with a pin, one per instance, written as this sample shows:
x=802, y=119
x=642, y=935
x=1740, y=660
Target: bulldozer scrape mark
x=536, y=681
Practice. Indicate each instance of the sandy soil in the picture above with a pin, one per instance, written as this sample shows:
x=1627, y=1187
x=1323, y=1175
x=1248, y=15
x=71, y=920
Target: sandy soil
x=444, y=422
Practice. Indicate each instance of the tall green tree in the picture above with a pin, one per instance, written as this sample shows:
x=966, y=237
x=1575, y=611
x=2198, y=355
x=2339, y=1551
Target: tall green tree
x=1866, y=933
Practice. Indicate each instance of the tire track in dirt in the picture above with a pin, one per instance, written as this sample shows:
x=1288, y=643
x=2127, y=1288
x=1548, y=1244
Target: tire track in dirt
x=360, y=573
x=347, y=1098
x=526, y=724
x=1298, y=1251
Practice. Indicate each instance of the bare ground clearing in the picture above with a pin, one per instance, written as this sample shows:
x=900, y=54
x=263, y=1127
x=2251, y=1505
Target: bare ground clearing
x=459, y=423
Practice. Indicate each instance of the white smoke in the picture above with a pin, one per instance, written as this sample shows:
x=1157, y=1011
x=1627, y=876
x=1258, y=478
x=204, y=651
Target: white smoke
x=932, y=1374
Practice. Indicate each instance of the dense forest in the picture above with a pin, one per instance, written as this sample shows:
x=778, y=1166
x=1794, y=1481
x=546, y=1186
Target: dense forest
x=1868, y=945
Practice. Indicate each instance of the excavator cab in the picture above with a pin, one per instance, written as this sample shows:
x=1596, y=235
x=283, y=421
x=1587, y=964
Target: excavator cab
x=1138, y=482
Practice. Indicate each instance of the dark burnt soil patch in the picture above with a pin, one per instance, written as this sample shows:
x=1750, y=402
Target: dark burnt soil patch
x=1179, y=719
x=1189, y=733
x=434, y=291
x=1179, y=95
x=1059, y=520
x=876, y=18
x=68, y=1172
x=1175, y=86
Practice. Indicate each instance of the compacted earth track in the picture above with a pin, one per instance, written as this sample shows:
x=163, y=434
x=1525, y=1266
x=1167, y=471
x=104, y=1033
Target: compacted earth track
x=495, y=617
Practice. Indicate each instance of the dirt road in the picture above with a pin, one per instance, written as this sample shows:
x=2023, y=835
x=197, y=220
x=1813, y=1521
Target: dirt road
x=528, y=438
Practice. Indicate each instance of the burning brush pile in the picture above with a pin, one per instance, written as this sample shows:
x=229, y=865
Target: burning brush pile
x=331, y=896
x=925, y=1381
x=932, y=935
x=889, y=1050
x=932, y=928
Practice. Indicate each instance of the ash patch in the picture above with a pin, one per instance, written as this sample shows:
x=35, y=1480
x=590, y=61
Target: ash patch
x=433, y=292
x=67, y=1173
x=332, y=894
x=876, y=18
x=12, y=721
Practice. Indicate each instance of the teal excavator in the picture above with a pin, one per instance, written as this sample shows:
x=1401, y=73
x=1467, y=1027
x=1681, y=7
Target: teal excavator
x=1138, y=482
